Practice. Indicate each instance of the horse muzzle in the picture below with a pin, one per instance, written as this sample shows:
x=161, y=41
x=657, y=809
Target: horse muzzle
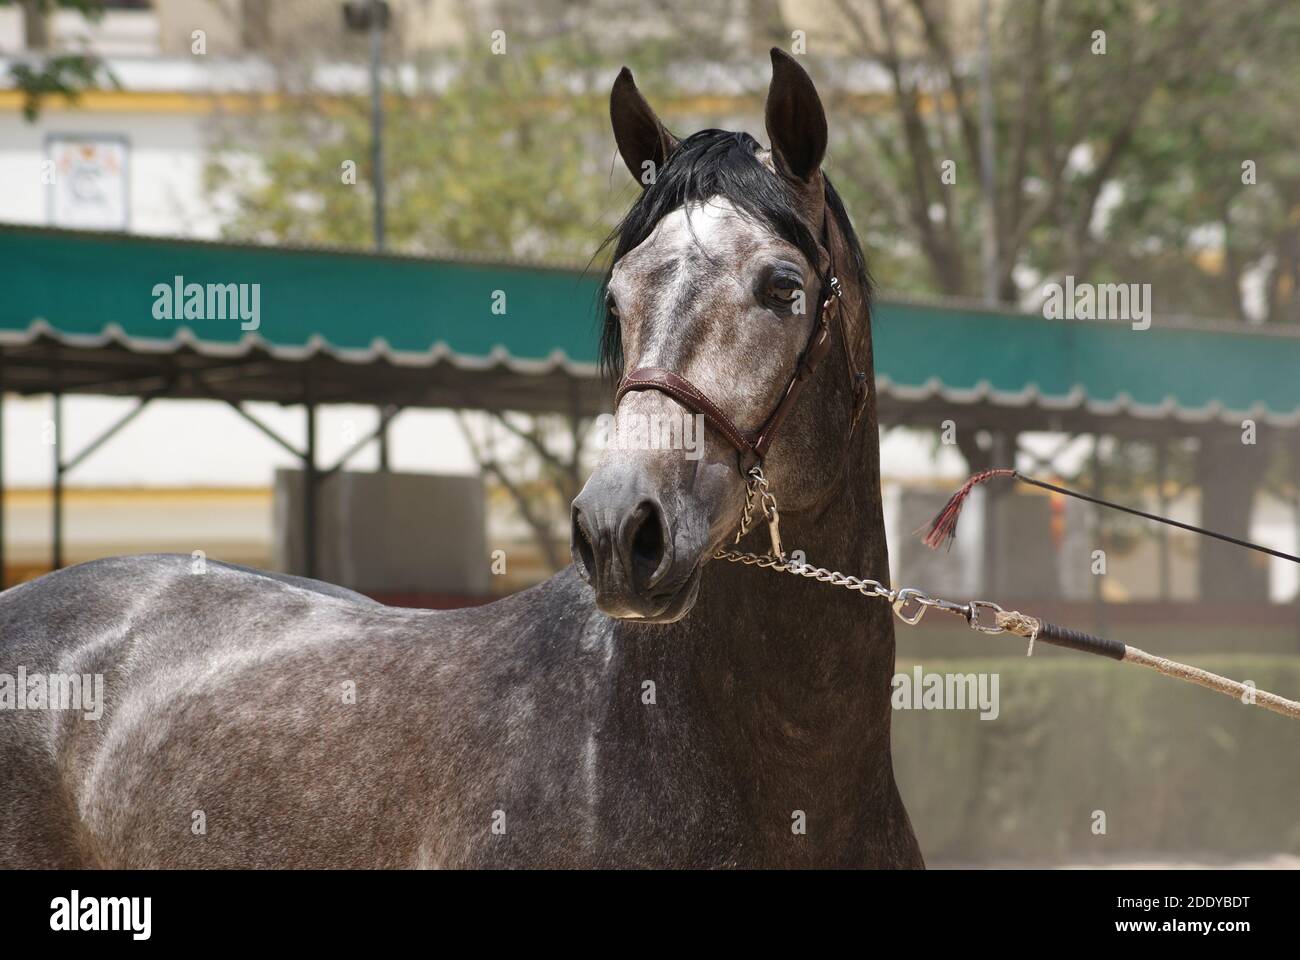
x=641, y=557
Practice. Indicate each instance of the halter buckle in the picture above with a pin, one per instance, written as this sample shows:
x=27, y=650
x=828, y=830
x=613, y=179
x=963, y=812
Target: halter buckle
x=984, y=617
x=774, y=531
x=910, y=605
x=768, y=504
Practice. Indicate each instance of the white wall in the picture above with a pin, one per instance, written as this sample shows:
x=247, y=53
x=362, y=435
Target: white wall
x=203, y=443
x=165, y=167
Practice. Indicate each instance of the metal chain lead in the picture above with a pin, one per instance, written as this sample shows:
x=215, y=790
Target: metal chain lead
x=909, y=603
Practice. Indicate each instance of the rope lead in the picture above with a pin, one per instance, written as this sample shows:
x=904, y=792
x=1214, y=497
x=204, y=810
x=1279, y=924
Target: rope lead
x=984, y=616
x=1034, y=629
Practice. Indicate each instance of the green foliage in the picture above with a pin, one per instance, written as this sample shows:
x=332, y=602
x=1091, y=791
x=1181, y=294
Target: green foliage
x=64, y=74
x=492, y=164
x=1184, y=201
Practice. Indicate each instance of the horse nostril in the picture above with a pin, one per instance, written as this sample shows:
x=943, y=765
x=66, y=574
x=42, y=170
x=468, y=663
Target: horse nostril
x=648, y=546
x=584, y=558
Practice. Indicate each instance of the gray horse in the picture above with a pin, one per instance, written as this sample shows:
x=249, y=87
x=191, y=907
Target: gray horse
x=645, y=707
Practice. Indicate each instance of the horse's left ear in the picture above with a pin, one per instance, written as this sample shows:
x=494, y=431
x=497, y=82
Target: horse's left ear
x=796, y=122
x=641, y=136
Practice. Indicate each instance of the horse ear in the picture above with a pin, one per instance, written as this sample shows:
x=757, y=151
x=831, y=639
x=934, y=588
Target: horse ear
x=640, y=135
x=796, y=122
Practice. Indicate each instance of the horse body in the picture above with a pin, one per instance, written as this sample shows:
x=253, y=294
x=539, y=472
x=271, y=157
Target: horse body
x=646, y=707
x=514, y=734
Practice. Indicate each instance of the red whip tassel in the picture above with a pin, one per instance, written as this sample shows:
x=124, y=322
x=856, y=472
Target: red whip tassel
x=943, y=528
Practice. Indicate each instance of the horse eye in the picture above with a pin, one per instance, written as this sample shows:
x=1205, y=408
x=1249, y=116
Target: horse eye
x=611, y=305
x=784, y=288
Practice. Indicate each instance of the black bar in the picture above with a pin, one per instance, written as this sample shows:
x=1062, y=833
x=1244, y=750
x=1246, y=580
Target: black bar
x=307, y=909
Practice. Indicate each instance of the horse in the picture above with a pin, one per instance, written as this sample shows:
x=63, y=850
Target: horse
x=645, y=707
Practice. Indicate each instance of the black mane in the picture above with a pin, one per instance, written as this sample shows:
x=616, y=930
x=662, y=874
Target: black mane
x=718, y=163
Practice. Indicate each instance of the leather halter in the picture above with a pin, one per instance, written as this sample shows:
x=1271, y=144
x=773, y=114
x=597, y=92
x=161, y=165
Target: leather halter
x=818, y=345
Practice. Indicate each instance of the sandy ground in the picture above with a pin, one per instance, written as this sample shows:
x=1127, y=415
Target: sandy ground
x=1281, y=861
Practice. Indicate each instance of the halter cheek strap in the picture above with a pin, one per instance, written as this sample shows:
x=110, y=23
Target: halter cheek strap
x=818, y=345
x=689, y=396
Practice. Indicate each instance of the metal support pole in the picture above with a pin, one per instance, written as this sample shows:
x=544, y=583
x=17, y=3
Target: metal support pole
x=1099, y=534
x=309, y=490
x=1162, y=480
x=56, y=490
x=998, y=454
x=987, y=147
x=121, y=423
x=1295, y=601
x=377, y=161
x=386, y=415
x=2, y=472
x=382, y=437
x=377, y=119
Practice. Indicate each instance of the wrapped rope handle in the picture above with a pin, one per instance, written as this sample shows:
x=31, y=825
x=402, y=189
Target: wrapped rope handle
x=1032, y=629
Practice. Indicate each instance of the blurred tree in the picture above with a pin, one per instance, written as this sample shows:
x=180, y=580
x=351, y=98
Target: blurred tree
x=41, y=73
x=1106, y=163
x=1209, y=207
x=477, y=166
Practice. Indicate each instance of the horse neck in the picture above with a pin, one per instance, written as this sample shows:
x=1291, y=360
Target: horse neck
x=809, y=635
x=773, y=653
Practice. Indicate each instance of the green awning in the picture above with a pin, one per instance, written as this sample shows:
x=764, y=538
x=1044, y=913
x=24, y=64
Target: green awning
x=82, y=284
x=80, y=314
x=943, y=355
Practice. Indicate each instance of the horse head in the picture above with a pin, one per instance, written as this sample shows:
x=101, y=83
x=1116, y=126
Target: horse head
x=714, y=304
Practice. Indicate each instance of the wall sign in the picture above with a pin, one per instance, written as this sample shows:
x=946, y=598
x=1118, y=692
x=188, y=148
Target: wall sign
x=90, y=188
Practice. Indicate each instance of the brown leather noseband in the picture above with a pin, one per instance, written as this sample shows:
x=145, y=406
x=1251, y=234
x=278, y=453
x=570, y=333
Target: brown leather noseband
x=819, y=343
